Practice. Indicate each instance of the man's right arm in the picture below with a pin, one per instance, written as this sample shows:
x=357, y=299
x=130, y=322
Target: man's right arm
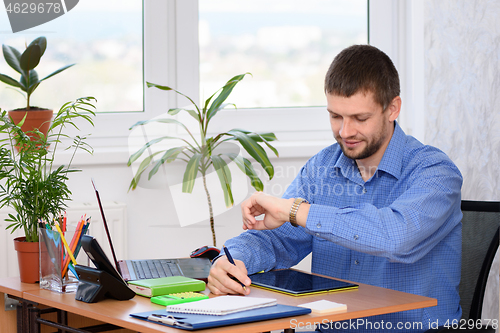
x=256, y=251
x=264, y=250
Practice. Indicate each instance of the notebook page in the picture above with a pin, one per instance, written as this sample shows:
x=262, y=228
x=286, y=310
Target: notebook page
x=222, y=305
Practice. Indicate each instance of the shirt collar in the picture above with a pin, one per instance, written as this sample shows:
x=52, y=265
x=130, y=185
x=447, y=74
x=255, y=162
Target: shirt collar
x=391, y=161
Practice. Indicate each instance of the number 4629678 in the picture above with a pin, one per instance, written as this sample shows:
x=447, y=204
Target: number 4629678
x=471, y=323
x=32, y=7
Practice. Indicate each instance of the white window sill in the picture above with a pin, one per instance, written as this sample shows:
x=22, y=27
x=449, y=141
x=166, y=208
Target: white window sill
x=301, y=133
x=120, y=155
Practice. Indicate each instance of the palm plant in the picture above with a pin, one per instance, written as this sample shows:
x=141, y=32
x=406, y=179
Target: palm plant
x=30, y=182
x=201, y=155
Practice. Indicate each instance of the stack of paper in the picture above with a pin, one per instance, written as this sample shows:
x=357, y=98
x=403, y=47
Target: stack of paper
x=324, y=306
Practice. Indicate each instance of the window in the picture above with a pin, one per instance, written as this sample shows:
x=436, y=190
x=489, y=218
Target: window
x=287, y=45
x=103, y=38
x=171, y=56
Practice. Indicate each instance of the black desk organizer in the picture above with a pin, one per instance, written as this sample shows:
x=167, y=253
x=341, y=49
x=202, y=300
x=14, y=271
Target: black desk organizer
x=102, y=281
x=96, y=285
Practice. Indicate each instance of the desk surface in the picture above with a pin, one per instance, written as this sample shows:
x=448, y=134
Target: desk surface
x=365, y=301
x=13, y=286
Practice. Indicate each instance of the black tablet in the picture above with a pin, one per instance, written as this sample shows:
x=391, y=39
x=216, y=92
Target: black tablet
x=295, y=283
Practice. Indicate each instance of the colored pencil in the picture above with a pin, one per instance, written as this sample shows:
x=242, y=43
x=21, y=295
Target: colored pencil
x=66, y=245
x=72, y=246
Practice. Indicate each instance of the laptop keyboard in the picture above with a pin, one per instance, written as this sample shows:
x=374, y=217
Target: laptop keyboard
x=155, y=268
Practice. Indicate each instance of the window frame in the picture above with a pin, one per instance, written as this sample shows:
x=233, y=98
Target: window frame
x=171, y=58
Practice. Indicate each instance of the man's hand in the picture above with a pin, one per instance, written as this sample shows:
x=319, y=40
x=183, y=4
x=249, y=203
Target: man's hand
x=220, y=281
x=276, y=211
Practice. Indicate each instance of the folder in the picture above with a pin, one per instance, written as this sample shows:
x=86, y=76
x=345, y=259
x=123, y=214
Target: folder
x=193, y=322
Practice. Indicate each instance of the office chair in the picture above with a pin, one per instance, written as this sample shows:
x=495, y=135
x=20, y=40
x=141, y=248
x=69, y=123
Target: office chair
x=480, y=241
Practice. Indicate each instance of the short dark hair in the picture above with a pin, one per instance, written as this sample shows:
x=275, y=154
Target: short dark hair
x=363, y=68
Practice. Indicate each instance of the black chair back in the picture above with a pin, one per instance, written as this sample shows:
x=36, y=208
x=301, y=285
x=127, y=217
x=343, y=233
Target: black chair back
x=480, y=241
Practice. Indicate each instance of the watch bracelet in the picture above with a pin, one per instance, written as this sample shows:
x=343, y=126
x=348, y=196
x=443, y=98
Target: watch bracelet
x=293, y=211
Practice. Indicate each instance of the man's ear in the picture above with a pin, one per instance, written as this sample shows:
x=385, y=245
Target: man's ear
x=394, y=108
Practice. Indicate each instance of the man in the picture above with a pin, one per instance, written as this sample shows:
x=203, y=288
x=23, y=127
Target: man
x=380, y=207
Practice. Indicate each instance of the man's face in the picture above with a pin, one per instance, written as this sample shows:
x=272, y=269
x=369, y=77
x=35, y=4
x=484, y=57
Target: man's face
x=359, y=124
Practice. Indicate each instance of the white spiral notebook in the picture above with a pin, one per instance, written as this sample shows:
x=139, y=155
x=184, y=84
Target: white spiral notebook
x=222, y=305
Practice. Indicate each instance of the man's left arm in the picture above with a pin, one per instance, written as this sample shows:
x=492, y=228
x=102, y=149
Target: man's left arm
x=404, y=231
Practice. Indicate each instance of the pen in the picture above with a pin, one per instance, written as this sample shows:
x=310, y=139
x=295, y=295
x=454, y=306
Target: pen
x=228, y=255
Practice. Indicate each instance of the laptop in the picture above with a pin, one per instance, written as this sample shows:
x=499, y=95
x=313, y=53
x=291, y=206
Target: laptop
x=131, y=270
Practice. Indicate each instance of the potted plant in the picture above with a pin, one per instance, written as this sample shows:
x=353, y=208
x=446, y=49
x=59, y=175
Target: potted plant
x=201, y=155
x=30, y=181
x=25, y=65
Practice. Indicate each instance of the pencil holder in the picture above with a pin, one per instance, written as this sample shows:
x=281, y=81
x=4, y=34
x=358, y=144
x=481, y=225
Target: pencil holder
x=56, y=268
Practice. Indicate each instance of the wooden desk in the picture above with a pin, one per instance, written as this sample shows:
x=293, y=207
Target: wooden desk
x=13, y=287
x=365, y=301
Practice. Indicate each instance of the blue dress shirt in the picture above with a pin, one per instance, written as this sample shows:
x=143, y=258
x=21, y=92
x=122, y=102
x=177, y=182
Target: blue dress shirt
x=400, y=230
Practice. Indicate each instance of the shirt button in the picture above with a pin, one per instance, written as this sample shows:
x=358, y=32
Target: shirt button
x=318, y=225
x=356, y=237
x=364, y=190
x=317, y=234
x=356, y=262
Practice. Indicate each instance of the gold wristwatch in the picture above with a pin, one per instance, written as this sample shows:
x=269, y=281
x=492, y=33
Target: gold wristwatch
x=293, y=211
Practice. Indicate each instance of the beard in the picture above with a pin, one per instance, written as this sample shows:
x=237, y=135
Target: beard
x=371, y=146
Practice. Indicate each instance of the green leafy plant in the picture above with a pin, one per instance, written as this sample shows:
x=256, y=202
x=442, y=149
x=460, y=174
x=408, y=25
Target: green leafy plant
x=30, y=182
x=201, y=155
x=25, y=64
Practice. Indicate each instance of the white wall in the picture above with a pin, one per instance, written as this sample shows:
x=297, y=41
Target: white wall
x=462, y=76
x=462, y=71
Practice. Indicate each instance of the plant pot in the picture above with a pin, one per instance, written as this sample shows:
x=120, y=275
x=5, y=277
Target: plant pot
x=36, y=118
x=29, y=259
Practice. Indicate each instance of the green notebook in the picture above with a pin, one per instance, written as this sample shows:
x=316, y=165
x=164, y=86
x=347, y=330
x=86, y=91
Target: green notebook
x=165, y=286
